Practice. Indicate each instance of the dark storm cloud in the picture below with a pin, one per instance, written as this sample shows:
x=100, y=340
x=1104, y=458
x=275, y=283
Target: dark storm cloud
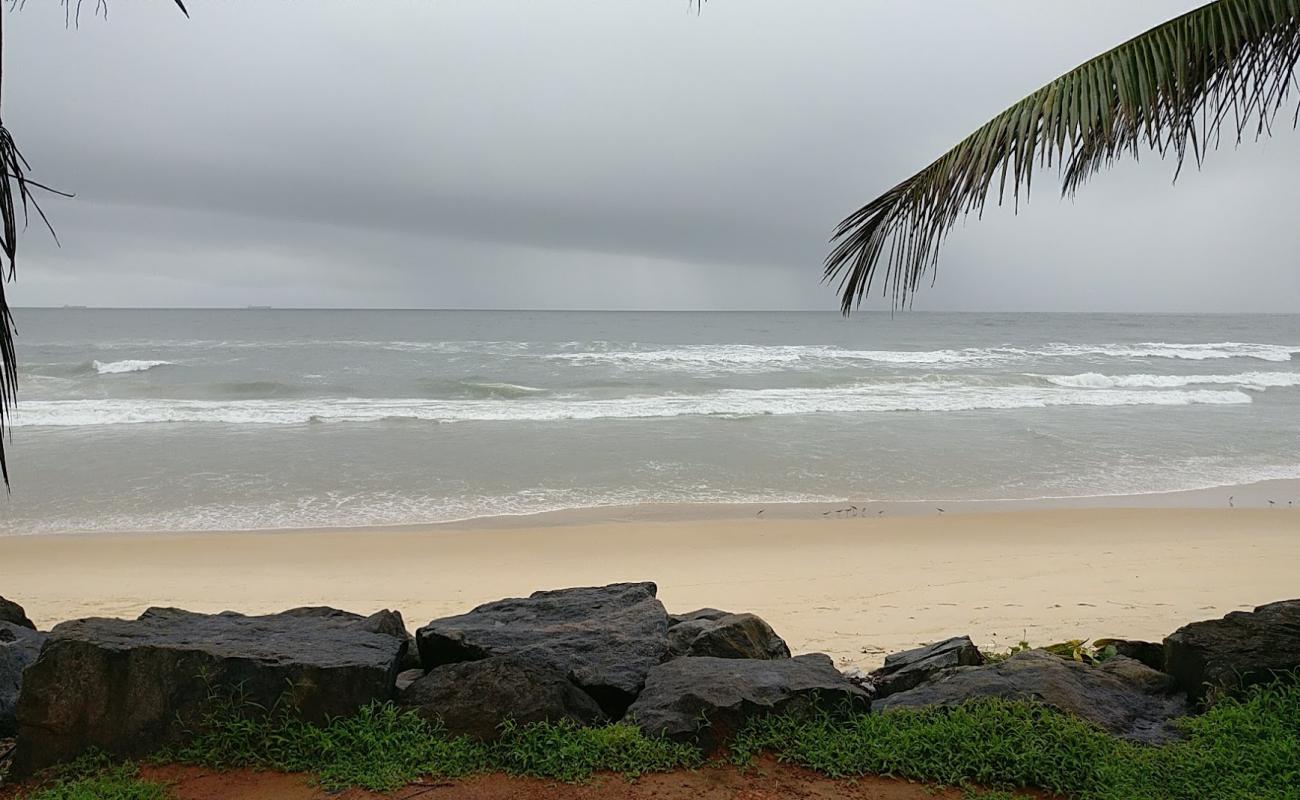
x=589, y=153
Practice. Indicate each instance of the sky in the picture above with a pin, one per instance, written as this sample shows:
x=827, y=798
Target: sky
x=592, y=154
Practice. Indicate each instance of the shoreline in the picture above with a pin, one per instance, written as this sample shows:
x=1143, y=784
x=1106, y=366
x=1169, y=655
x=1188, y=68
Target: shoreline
x=1274, y=494
x=853, y=587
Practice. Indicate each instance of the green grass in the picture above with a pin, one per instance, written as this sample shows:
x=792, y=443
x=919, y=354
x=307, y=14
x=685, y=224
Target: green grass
x=383, y=748
x=1241, y=749
x=94, y=777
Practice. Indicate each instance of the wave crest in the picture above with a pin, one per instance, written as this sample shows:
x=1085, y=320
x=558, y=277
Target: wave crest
x=129, y=365
x=949, y=396
x=1254, y=380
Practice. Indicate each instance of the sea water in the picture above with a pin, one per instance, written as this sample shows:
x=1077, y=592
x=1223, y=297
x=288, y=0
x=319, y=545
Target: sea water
x=239, y=419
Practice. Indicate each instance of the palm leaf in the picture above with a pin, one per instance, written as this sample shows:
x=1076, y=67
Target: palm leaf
x=16, y=199
x=1174, y=89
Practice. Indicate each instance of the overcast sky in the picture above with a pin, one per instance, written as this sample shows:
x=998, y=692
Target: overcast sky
x=591, y=154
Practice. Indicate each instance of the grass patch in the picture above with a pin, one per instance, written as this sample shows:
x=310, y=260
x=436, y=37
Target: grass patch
x=1241, y=749
x=95, y=777
x=383, y=748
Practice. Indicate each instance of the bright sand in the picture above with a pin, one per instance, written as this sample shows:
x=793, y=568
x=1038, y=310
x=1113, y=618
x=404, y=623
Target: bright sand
x=852, y=587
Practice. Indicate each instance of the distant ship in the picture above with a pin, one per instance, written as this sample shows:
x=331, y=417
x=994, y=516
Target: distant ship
x=258, y=308
x=77, y=308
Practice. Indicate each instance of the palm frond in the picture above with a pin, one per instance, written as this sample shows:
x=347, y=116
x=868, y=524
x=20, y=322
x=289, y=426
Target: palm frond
x=1173, y=90
x=16, y=201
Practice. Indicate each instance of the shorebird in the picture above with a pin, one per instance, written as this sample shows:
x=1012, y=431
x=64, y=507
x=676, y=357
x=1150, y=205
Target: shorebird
x=1230, y=505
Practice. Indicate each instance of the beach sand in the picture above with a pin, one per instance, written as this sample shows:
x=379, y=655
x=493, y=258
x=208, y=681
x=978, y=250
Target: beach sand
x=850, y=586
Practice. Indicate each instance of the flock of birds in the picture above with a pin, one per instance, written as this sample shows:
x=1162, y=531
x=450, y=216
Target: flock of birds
x=1271, y=503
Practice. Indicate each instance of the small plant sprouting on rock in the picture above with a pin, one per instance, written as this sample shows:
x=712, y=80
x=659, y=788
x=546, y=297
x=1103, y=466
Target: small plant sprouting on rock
x=1075, y=650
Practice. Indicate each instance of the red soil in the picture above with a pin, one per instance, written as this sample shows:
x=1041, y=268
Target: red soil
x=768, y=781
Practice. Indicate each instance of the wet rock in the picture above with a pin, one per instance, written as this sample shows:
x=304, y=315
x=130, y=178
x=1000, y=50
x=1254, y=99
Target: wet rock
x=473, y=698
x=681, y=694
x=14, y=614
x=907, y=670
x=726, y=636
x=19, y=647
x=1240, y=650
x=1122, y=696
x=604, y=639
x=128, y=687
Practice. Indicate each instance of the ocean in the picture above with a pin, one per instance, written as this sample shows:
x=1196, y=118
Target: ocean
x=163, y=420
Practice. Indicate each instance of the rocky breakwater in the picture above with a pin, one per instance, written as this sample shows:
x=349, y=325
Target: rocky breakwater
x=585, y=655
x=128, y=687
x=611, y=653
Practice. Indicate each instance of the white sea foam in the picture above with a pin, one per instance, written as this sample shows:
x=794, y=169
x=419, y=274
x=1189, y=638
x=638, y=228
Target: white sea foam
x=930, y=396
x=1093, y=380
x=502, y=389
x=758, y=358
x=130, y=365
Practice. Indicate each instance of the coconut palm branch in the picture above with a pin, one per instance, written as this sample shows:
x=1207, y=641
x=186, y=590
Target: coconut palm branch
x=1174, y=89
x=16, y=201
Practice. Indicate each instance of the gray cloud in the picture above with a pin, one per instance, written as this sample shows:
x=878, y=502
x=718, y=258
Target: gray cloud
x=577, y=153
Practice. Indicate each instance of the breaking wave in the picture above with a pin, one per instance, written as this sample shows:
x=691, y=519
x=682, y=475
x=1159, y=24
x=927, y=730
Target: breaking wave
x=1093, y=380
x=129, y=365
x=759, y=358
x=933, y=396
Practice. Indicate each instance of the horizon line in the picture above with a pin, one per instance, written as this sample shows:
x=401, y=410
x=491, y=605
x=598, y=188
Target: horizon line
x=836, y=312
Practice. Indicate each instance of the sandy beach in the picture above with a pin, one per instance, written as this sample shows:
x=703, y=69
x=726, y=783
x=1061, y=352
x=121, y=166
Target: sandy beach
x=853, y=587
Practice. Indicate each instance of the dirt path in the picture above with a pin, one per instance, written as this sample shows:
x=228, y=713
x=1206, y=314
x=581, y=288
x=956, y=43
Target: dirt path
x=768, y=781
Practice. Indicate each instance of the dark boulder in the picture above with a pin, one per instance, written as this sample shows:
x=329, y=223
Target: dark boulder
x=407, y=677
x=19, y=646
x=473, y=698
x=699, y=613
x=907, y=670
x=1120, y=695
x=706, y=700
x=14, y=614
x=604, y=639
x=726, y=636
x=386, y=622
x=128, y=687
x=1240, y=650
x=1150, y=653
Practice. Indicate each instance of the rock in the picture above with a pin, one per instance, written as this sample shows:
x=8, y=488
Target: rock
x=19, y=646
x=128, y=687
x=1120, y=695
x=907, y=670
x=1150, y=653
x=604, y=639
x=407, y=677
x=1240, y=650
x=411, y=661
x=681, y=694
x=699, y=613
x=386, y=622
x=14, y=614
x=861, y=679
x=473, y=698
x=726, y=636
